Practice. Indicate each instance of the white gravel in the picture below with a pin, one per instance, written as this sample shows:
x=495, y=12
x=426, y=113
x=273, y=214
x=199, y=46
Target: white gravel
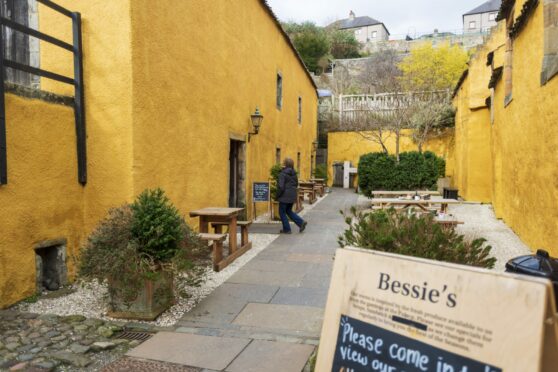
x=90, y=298
x=480, y=221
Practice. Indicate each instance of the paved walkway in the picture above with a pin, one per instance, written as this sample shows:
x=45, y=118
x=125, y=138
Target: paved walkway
x=267, y=316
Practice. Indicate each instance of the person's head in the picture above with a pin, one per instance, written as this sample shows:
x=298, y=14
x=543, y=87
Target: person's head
x=288, y=163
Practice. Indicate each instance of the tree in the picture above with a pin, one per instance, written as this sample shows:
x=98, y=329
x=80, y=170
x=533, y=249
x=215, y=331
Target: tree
x=428, y=68
x=343, y=44
x=433, y=72
x=311, y=42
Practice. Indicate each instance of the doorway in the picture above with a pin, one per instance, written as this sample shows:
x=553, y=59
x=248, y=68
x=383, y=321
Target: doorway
x=237, y=174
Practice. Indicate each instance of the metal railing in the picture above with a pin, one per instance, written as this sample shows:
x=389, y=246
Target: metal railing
x=76, y=81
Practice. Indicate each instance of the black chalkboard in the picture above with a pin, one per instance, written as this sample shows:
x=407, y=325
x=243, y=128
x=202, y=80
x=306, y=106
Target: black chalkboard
x=365, y=347
x=260, y=192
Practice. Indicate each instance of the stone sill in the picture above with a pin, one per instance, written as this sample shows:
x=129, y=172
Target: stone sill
x=31, y=93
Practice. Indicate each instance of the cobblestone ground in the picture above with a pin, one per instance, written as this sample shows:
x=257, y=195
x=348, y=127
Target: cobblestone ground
x=32, y=342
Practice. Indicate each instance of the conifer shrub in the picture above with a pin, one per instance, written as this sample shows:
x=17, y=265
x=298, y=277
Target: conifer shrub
x=321, y=172
x=413, y=235
x=274, y=173
x=414, y=171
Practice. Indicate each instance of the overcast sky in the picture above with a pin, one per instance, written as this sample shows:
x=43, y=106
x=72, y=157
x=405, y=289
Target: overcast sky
x=399, y=16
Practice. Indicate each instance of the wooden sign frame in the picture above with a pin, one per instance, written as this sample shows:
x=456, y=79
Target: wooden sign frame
x=453, y=318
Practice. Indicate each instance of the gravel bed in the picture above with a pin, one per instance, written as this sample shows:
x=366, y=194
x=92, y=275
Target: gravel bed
x=481, y=222
x=90, y=298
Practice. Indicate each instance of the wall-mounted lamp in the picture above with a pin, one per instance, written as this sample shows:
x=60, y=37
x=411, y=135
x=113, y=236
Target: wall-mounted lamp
x=256, y=119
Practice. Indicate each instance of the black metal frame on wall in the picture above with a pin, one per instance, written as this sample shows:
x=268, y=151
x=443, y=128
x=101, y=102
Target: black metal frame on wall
x=76, y=81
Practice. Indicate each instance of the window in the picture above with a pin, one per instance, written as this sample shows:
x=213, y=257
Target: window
x=374, y=34
x=508, y=76
x=492, y=17
x=472, y=25
x=357, y=32
x=277, y=155
x=550, y=60
x=299, y=110
x=279, y=91
x=298, y=162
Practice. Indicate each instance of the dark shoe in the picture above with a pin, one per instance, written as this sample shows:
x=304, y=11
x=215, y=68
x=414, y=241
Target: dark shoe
x=285, y=232
x=303, y=226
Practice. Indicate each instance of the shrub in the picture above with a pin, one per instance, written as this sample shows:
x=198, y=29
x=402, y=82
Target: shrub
x=411, y=235
x=321, y=171
x=274, y=173
x=415, y=170
x=156, y=225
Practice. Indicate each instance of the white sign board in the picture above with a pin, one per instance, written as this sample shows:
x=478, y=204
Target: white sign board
x=391, y=313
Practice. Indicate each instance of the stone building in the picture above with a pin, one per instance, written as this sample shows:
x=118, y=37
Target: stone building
x=482, y=18
x=168, y=103
x=366, y=29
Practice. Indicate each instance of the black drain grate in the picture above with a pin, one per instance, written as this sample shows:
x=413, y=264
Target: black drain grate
x=139, y=336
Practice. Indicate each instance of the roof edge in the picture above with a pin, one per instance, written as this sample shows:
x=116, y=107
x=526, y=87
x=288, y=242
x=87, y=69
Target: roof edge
x=289, y=42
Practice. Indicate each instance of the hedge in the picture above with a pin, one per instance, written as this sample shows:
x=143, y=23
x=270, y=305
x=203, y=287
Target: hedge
x=415, y=171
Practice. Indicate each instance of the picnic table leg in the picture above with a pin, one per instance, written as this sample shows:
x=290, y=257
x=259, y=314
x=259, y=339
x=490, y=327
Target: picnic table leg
x=232, y=236
x=204, y=225
x=244, y=235
x=444, y=208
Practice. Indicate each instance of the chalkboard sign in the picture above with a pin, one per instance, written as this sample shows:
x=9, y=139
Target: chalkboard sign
x=365, y=347
x=392, y=313
x=260, y=192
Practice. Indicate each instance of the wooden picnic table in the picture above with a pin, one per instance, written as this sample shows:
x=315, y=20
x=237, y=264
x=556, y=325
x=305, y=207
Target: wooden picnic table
x=308, y=188
x=422, y=204
x=380, y=193
x=320, y=181
x=228, y=215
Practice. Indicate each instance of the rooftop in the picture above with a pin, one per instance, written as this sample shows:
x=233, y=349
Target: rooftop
x=356, y=22
x=489, y=6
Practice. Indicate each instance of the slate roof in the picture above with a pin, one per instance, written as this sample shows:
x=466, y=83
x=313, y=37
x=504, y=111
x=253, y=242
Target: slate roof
x=357, y=22
x=489, y=6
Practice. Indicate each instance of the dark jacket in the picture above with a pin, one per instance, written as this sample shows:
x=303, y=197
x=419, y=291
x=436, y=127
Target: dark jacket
x=287, y=185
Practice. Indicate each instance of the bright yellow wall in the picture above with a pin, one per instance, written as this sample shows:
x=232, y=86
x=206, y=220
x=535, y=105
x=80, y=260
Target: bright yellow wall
x=42, y=200
x=350, y=146
x=195, y=86
x=523, y=141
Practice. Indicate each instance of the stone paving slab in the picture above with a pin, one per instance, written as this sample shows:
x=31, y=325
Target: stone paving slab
x=228, y=300
x=303, y=318
x=310, y=258
x=191, y=350
x=271, y=357
x=282, y=266
x=314, y=297
x=281, y=279
x=127, y=364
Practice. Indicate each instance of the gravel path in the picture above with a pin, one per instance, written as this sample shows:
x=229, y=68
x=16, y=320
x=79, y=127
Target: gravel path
x=90, y=298
x=480, y=221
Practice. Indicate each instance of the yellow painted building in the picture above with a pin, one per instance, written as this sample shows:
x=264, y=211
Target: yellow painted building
x=168, y=102
x=507, y=148
x=350, y=146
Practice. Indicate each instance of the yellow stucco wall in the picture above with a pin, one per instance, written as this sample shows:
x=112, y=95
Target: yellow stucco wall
x=523, y=140
x=43, y=200
x=165, y=92
x=350, y=146
x=197, y=84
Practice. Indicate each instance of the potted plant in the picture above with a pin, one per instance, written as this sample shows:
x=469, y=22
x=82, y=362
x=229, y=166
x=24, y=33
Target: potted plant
x=138, y=249
x=274, y=173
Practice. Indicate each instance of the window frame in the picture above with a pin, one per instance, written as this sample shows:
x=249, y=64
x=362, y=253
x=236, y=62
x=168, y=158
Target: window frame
x=279, y=91
x=299, y=118
x=374, y=34
x=474, y=23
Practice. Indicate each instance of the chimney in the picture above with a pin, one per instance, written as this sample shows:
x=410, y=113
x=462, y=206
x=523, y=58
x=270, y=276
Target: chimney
x=351, y=15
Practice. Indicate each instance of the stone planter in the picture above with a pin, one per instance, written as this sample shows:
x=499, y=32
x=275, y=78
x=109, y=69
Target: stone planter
x=152, y=299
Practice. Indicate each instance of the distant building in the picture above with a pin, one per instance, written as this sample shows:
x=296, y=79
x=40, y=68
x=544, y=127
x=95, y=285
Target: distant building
x=366, y=29
x=482, y=18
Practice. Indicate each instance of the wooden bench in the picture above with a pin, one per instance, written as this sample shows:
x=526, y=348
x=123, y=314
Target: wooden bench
x=244, y=225
x=216, y=241
x=311, y=193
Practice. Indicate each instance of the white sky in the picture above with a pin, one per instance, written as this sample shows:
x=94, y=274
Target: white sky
x=399, y=16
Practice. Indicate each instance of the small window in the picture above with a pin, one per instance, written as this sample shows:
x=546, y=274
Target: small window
x=357, y=32
x=472, y=25
x=277, y=155
x=299, y=110
x=374, y=34
x=492, y=17
x=298, y=162
x=279, y=91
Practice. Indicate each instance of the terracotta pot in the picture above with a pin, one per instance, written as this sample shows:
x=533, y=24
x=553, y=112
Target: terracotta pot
x=153, y=298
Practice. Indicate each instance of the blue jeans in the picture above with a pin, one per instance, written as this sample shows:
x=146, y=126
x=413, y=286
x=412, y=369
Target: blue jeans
x=286, y=209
